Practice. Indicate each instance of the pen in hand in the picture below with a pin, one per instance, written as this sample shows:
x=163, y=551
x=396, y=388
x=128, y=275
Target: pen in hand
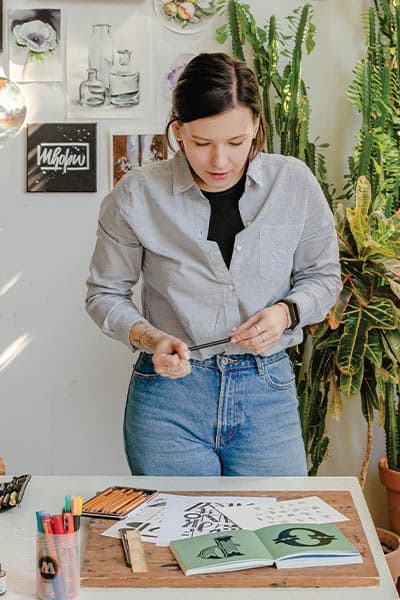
x=209, y=344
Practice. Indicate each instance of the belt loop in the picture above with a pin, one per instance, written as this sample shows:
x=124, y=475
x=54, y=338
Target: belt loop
x=260, y=365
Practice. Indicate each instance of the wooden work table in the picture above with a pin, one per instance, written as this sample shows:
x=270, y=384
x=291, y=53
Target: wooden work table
x=18, y=529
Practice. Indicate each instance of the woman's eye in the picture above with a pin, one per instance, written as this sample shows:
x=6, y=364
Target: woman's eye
x=201, y=145
x=236, y=143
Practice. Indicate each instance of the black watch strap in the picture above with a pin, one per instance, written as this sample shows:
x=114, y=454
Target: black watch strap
x=294, y=313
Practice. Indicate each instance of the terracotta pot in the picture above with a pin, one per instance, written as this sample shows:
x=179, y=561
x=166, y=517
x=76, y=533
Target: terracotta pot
x=391, y=480
x=391, y=541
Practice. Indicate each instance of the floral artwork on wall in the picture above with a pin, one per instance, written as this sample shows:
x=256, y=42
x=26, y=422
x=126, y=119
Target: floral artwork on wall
x=185, y=16
x=109, y=63
x=35, y=44
x=171, y=59
x=61, y=157
x=135, y=150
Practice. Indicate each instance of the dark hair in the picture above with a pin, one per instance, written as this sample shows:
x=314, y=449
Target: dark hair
x=213, y=83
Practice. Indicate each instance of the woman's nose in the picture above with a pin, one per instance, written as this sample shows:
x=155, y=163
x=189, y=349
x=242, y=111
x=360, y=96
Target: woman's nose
x=219, y=157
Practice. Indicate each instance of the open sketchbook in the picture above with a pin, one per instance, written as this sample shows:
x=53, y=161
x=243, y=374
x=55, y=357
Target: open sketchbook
x=285, y=546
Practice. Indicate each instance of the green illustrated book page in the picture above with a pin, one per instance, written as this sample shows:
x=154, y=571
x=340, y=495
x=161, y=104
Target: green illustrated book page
x=225, y=551
x=298, y=545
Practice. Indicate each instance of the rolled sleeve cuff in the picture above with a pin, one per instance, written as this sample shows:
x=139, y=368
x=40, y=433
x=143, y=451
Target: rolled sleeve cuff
x=123, y=323
x=310, y=310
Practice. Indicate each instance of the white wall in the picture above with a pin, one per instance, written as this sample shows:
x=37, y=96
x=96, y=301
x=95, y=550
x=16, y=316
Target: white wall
x=62, y=397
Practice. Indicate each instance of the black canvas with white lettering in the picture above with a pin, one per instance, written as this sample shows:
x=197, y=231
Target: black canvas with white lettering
x=61, y=157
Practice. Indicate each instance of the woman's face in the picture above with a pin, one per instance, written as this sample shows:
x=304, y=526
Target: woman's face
x=218, y=147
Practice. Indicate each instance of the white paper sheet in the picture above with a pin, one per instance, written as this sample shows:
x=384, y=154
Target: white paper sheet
x=301, y=510
x=188, y=516
x=146, y=519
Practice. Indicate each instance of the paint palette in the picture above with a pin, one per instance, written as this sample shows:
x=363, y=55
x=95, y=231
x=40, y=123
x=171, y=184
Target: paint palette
x=11, y=492
x=116, y=502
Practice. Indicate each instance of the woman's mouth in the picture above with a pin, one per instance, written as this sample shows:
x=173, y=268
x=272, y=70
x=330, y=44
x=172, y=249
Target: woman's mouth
x=218, y=175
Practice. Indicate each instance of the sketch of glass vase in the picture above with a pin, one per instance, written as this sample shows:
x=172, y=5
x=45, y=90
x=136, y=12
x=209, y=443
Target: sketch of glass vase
x=100, y=52
x=92, y=91
x=124, y=81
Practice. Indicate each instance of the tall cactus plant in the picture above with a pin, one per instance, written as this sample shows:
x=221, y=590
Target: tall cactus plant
x=285, y=99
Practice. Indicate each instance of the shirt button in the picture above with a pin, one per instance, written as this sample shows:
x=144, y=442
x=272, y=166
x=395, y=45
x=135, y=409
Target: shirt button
x=231, y=288
x=247, y=223
x=238, y=248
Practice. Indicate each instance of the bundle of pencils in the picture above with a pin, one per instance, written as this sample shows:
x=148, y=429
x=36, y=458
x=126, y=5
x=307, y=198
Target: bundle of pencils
x=116, y=502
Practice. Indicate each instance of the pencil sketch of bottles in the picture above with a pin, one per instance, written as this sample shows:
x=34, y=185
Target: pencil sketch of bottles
x=100, y=51
x=124, y=81
x=92, y=91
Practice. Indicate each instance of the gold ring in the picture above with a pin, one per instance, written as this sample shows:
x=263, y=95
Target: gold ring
x=258, y=328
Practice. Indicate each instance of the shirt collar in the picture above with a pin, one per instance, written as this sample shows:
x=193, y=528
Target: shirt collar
x=182, y=175
x=254, y=170
x=183, y=178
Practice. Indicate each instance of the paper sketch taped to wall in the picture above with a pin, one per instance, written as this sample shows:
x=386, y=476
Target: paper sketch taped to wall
x=35, y=49
x=109, y=66
x=170, y=61
x=129, y=151
x=61, y=157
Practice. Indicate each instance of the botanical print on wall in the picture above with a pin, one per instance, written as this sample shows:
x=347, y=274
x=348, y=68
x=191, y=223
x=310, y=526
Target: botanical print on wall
x=171, y=59
x=129, y=151
x=35, y=44
x=61, y=157
x=109, y=63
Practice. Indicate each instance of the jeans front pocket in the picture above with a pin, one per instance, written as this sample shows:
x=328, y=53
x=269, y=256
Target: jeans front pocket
x=144, y=368
x=280, y=374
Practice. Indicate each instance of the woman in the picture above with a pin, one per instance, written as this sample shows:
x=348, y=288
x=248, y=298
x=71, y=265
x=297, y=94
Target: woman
x=230, y=242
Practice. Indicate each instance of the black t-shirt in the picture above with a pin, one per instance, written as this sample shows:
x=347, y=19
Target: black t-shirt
x=225, y=219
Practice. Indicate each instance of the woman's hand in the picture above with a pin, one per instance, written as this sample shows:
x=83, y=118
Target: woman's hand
x=263, y=330
x=170, y=355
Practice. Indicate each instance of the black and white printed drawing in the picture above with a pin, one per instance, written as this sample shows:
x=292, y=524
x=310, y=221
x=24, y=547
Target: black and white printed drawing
x=35, y=44
x=61, y=157
x=108, y=64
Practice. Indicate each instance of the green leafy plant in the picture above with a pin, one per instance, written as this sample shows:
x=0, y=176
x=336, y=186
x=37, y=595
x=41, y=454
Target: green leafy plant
x=357, y=349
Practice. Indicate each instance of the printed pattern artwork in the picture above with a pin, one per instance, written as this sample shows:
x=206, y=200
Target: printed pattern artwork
x=35, y=44
x=108, y=64
x=129, y=151
x=61, y=157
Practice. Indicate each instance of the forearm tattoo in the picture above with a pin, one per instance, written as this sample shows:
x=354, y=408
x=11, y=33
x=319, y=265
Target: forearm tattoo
x=144, y=336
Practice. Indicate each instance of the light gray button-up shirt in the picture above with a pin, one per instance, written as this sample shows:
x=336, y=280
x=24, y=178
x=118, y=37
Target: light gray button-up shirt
x=155, y=224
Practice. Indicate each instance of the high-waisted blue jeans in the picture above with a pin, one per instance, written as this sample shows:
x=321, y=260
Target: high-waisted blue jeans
x=233, y=415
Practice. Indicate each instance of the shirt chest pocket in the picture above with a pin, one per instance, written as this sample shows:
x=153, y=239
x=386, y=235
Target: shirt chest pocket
x=278, y=245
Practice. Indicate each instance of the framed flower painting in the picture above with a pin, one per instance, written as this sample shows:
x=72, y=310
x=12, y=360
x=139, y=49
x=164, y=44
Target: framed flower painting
x=35, y=44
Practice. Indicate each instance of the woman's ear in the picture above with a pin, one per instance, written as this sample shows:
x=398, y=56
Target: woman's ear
x=176, y=128
x=256, y=126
